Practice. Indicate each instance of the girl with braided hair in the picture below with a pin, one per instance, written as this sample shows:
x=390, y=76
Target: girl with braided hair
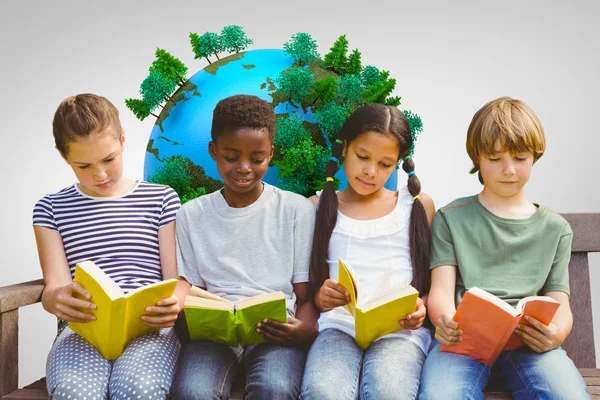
x=377, y=231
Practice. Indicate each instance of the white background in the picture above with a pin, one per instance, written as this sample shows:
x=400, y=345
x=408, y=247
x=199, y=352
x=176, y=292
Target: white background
x=449, y=59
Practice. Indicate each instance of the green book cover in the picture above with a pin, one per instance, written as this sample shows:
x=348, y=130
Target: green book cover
x=211, y=317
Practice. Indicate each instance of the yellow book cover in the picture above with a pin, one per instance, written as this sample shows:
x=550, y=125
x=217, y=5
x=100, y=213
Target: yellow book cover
x=212, y=317
x=118, y=315
x=378, y=315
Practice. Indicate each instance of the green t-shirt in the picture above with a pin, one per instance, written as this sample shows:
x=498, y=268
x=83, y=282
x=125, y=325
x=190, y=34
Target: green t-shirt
x=510, y=258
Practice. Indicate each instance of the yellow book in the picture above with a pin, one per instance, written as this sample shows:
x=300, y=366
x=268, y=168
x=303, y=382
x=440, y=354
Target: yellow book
x=379, y=314
x=118, y=315
x=212, y=317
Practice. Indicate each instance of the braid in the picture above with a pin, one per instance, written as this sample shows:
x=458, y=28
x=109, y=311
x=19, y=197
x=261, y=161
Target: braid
x=325, y=222
x=419, y=234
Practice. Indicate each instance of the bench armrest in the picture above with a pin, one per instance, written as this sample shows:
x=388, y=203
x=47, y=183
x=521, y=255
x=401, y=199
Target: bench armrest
x=22, y=294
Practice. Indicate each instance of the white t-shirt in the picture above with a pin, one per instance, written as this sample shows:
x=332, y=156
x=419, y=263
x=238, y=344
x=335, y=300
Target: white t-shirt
x=373, y=247
x=236, y=253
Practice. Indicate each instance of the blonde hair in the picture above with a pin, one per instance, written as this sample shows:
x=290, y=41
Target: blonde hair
x=82, y=115
x=508, y=122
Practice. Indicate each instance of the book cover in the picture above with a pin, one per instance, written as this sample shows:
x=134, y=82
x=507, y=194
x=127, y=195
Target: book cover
x=380, y=314
x=211, y=317
x=118, y=315
x=488, y=323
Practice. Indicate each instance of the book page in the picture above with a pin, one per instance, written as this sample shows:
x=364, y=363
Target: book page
x=195, y=291
x=200, y=302
x=389, y=295
x=261, y=298
x=110, y=287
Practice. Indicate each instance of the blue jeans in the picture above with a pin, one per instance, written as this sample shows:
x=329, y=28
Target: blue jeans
x=523, y=372
x=336, y=368
x=207, y=370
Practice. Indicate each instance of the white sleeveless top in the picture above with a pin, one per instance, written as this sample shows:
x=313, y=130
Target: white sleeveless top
x=373, y=247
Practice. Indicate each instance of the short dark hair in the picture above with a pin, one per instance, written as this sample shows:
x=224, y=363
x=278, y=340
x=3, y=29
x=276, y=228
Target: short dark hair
x=80, y=116
x=243, y=111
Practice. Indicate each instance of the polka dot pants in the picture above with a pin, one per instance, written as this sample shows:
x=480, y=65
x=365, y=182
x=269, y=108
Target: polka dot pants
x=76, y=371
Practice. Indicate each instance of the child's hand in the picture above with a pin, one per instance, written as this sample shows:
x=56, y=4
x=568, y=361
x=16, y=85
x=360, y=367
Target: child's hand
x=447, y=332
x=415, y=320
x=331, y=295
x=167, y=310
x=293, y=333
x=64, y=305
x=539, y=337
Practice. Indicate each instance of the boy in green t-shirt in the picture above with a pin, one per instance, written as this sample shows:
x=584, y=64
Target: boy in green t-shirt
x=501, y=242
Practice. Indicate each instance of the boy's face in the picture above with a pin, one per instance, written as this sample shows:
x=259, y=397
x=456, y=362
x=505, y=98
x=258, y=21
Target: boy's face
x=97, y=162
x=505, y=174
x=369, y=160
x=242, y=157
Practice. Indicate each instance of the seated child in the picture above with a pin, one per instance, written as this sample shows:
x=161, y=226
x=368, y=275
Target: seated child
x=247, y=239
x=128, y=229
x=501, y=242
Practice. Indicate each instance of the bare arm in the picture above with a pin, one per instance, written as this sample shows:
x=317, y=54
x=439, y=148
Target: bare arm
x=57, y=297
x=441, y=304
x=168, y=308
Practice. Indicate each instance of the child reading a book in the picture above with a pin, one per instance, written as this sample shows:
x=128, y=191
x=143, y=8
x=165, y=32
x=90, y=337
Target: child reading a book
x=248, y=239
x=377, y=231
x=125, y=227
x=502, y=243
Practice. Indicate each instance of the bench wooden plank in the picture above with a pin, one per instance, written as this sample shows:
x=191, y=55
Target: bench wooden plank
x=586, y=232
x=9, y=351
x=22, y=294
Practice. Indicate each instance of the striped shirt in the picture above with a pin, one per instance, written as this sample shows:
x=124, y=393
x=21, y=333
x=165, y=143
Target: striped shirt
x=120, y=234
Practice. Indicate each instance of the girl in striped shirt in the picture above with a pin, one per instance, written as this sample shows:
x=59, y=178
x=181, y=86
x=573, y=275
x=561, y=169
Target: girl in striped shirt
x=128, y=229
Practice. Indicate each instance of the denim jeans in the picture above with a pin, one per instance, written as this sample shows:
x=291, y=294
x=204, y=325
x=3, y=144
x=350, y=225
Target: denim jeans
x=207, y=370
x=523, y=372
x=336, y=368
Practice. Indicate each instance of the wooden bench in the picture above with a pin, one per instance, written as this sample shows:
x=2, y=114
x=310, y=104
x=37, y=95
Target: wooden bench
x=579, y=345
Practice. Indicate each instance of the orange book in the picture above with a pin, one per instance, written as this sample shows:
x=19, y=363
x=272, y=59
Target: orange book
x=488, y=323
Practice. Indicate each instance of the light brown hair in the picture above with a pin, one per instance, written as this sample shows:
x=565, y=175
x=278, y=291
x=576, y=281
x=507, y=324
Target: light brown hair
x=82, y=115
x=506, y=122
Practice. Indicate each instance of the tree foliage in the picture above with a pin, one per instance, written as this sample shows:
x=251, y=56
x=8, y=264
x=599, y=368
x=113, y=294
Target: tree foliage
x=155, y=89
x=324, y=89
x=169, y=67
x=210, y=43
x=354, y=63
x=295, y=83
x=233, y=38
x=349, y=90
x=199, y=51
x=370, y=76
x=337, y=58
x=302, y=48
x=139, y=108
x=379, y=92
x=185, y=177
x=331, y=117
x=289, y=131
x=301, y=169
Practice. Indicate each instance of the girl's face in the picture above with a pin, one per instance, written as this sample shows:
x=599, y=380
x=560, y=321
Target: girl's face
x=369, y=160
x=97, y=163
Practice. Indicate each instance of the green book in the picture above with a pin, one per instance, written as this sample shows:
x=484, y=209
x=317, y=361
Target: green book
x=212, y=317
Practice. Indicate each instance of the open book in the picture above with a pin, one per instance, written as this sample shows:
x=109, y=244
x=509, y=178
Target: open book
x=379, y=314
x=212, y=317
x=118, y=315
x=488, y=323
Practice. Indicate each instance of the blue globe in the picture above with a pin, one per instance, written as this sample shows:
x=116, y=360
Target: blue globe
x=183, y=128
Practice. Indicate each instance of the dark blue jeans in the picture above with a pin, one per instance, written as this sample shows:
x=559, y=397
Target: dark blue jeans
x=524, y=373
x=207, y=370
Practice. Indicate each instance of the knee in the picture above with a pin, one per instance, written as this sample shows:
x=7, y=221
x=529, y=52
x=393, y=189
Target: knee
x=323, y=390
x=273, y=389
x=136, y=387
